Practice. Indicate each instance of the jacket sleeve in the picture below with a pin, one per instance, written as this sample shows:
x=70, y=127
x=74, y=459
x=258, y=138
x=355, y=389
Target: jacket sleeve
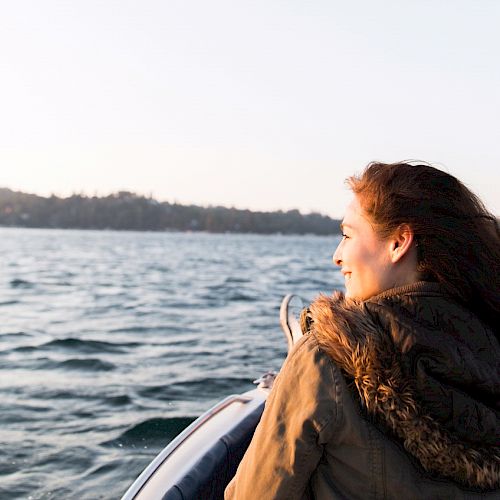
x=300, y=416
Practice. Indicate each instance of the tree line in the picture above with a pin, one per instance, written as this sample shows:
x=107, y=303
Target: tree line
x=128, y=211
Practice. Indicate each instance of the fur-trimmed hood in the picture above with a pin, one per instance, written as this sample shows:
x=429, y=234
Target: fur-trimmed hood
x=426, y=372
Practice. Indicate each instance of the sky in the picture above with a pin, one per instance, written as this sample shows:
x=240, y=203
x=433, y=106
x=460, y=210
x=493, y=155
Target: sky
x=260, y=104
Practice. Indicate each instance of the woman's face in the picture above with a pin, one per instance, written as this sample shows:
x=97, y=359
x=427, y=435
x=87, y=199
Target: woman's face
x=364, y=257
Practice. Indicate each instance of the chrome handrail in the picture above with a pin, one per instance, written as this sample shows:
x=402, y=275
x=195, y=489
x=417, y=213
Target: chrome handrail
x=289, y=323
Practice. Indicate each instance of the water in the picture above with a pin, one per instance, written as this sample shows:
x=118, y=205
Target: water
x=112, y=342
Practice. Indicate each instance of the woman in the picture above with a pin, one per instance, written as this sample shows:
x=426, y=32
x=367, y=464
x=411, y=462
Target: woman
x=394, y=391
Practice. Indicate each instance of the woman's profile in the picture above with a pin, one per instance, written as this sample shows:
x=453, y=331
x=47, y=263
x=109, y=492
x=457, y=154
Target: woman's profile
x=394, y=390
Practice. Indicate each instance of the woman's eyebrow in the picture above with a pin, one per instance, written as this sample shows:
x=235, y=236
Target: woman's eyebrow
x=343, y=226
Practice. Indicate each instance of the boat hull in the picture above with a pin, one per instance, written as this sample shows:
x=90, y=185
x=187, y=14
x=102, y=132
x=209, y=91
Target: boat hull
x=201, y=461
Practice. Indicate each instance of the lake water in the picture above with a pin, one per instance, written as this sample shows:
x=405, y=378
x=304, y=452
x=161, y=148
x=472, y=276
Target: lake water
x=112, y=342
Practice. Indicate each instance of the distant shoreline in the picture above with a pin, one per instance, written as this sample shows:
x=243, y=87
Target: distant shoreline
x=164, y=231
x=125, y=211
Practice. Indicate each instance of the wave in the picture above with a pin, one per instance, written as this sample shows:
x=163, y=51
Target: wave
x=161, y=330
x=57, y=394
x=193, y=390
x=15, y=335
x=157, y=431
x=228, y=295
x=20, y=283
x=235, y=279
x=121, y=400
x=241, y=297
x=82, y=346
x=86, y=364
x=9, y=302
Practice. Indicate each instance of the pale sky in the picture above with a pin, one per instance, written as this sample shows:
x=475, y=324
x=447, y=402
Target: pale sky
x=260, y=104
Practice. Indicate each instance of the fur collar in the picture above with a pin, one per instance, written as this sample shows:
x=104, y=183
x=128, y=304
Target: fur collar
x=348, y=333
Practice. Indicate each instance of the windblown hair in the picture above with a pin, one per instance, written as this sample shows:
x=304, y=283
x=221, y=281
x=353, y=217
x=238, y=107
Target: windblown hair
x=458, y=240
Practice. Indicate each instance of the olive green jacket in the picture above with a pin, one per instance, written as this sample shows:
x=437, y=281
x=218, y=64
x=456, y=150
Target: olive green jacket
x=396, y=397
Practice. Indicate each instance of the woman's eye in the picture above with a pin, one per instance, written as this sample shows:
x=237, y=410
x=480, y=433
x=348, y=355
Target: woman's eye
x=344, y=236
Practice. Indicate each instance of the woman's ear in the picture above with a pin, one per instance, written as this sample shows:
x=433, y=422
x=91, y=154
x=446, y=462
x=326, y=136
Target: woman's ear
x=401, y=242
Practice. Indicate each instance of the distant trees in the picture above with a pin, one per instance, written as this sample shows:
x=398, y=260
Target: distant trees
x=128, y=211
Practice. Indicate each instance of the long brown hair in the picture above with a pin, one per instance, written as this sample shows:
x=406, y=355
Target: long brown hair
x=458, y=240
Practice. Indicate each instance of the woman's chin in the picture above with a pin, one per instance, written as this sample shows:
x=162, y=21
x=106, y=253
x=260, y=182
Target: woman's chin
x=352, y=293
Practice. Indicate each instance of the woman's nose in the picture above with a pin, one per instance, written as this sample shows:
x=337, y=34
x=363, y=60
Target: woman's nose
x=337, y=256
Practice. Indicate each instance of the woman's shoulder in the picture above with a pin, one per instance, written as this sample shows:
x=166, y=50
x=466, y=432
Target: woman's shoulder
x=308, y=359
x=418, y=360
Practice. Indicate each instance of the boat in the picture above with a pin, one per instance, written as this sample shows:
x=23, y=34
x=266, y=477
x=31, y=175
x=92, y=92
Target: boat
x=202, y=459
